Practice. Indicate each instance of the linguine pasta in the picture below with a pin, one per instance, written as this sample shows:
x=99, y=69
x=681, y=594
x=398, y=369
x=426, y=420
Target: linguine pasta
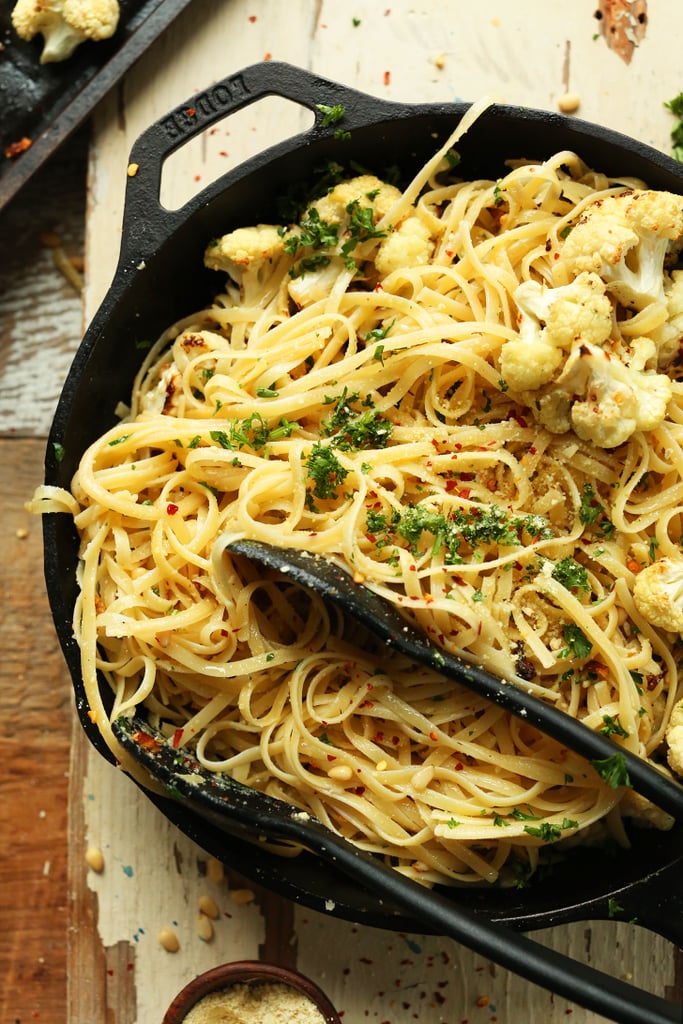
x=369, y=422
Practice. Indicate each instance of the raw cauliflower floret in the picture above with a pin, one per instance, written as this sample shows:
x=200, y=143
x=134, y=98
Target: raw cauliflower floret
x=625, y=240
x=251, y=258
x=410, y=245
x=64, y=24
x=550, y=321
x=674, y=739
x=658, y=594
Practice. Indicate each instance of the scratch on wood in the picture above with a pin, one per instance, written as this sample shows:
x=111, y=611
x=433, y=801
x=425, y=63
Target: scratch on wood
x=622, y=24
x=566, y=64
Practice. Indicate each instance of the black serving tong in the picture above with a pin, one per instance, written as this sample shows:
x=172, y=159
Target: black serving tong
x=384, y=620
x=236, y=809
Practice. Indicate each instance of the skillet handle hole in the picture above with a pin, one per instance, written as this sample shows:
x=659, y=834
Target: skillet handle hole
x=226, y=144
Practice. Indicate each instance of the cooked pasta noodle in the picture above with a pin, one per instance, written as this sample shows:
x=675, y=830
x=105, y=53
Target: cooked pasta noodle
x=372, y=425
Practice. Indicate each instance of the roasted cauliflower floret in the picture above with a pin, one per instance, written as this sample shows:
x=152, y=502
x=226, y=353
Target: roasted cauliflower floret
x=617, y=399
x=625, y=240
x=251, y=258
x=365, y=190
x=311, y=284
x=550, y=321
x=410, y=245
x=64, y=24
x=674, y=739
x=669, y=337
x=602, y=398
x=658, y=594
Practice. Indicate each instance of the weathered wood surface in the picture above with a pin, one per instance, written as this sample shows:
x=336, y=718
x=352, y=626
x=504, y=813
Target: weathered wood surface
x=101, y=929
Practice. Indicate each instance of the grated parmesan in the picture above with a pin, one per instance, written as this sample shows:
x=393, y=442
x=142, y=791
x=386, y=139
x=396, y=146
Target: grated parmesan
x=255, y=1003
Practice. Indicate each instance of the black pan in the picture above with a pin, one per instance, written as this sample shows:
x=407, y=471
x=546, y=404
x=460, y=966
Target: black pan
x=160, y=277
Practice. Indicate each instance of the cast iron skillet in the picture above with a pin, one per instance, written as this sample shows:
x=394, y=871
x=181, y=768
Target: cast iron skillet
x=160, y=277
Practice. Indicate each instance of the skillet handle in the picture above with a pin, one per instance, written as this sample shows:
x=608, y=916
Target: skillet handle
x=146, y=223
x=654, y=902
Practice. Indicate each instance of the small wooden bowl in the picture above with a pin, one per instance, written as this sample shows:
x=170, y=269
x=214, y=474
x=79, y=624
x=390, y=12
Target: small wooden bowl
x=240, y=972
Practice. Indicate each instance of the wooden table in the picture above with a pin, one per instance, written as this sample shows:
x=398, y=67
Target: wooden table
x=81, y=947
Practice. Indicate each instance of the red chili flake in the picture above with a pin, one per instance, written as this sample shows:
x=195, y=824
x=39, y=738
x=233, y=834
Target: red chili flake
x=171, y=508
x=395, y=740
x=331, y=757
x=518, y=418
x=197, y=177
x=358, y=791
x=378, y=737
x=177, y=737
x=459, y=767
x=532, y=450
x=387, y=77
x=252, y=18
x=15, y=148
x=191, y=112
x=433, y=736
x=145, y=740
x=110, y=971
x=267, y=56
x=223, y=152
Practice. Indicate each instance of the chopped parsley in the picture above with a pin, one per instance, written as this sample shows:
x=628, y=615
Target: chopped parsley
x=331, y=115
x=548, y=831
x=355, y=424
x=252, y=432
x=613, y=770
x=314, y=232
x=361, y=228
x=325, y=471
x=571, y=574
x=676, y=107
x=612, y=727
x=578, y=644
x=479, y=526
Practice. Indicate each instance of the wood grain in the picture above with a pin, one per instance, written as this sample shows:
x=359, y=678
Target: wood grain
x=35, y=730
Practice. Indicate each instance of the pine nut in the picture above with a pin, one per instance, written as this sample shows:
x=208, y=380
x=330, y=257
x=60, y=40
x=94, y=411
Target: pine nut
x=215, y=871
x=204, y=928
x=242, y=896
x=569, y=103
x=207, y=906
x=169, y=940
x=94, y=859
x=340, y=772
